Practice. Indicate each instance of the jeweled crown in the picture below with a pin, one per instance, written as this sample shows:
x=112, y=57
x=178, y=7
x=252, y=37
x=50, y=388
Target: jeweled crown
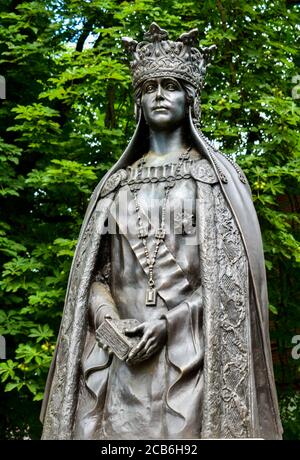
x=157, y=56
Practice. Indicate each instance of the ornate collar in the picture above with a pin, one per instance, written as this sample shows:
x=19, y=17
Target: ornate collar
x=200, y=170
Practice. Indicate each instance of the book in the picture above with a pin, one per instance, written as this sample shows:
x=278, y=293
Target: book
x=112, y=333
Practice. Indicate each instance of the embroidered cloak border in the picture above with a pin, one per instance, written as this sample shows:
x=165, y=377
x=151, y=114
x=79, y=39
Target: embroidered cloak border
x=260, y=414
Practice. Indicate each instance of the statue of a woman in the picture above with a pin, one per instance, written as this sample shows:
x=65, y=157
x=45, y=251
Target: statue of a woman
x=171, y=240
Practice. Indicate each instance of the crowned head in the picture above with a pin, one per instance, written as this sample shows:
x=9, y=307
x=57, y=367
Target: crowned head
x=158, y=57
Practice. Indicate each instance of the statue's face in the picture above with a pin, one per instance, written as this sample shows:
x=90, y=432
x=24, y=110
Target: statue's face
x=163, y=103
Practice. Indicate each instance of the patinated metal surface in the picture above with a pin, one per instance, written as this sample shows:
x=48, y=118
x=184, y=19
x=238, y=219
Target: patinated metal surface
x=170, y=240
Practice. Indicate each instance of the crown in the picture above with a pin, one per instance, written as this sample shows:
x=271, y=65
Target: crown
x=157, y=56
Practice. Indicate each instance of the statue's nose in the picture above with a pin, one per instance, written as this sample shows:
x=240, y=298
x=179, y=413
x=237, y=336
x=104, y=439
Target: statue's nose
x=159, y=92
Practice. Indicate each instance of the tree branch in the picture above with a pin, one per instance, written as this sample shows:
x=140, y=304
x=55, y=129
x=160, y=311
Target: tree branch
x=87, y=29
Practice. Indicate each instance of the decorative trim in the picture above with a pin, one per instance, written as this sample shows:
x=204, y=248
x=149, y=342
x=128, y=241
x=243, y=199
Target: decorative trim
x=200, y=170
x=113, y=182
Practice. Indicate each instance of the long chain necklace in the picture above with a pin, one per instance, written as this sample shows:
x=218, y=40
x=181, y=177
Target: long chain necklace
x=160, y=233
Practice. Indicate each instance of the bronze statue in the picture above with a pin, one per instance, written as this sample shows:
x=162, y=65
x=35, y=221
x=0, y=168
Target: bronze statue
x=165, y=328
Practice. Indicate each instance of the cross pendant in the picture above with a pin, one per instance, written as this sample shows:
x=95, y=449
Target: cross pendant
x=151, y=297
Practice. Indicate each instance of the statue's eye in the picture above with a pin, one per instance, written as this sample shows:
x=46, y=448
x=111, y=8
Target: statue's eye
x=171, y=86
x=149, y=88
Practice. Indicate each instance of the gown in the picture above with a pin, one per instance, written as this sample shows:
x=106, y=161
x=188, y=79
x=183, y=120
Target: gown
x=161, y=397
x=214, y=377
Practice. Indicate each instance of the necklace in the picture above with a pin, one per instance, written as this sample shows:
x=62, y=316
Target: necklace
x=160, y=232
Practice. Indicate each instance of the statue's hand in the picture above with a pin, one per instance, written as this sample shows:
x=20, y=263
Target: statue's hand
x=102, y=345
x=154, y=335
x=108, y=349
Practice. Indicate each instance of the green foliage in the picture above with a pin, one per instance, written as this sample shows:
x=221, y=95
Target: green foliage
x=67, y=118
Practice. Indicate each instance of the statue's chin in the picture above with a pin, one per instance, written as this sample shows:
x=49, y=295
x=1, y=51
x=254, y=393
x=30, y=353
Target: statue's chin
x=163, y=120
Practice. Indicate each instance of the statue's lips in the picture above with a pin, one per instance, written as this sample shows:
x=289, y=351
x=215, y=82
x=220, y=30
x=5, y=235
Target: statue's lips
x=155, y=109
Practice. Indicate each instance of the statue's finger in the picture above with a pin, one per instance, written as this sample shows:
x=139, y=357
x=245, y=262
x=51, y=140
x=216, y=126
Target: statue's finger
x=147, y=354
x=146, y=347
x=137, y=348
x=134, y=330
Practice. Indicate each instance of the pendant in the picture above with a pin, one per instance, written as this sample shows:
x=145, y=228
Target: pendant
x=151, y=297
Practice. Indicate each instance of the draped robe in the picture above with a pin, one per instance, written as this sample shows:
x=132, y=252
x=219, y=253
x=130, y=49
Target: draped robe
x=218, y=348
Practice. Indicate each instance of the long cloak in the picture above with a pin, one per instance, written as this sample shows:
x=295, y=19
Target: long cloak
x=61, y=394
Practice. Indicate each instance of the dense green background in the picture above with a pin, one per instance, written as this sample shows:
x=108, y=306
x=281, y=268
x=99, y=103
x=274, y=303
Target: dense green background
x=68, y=116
